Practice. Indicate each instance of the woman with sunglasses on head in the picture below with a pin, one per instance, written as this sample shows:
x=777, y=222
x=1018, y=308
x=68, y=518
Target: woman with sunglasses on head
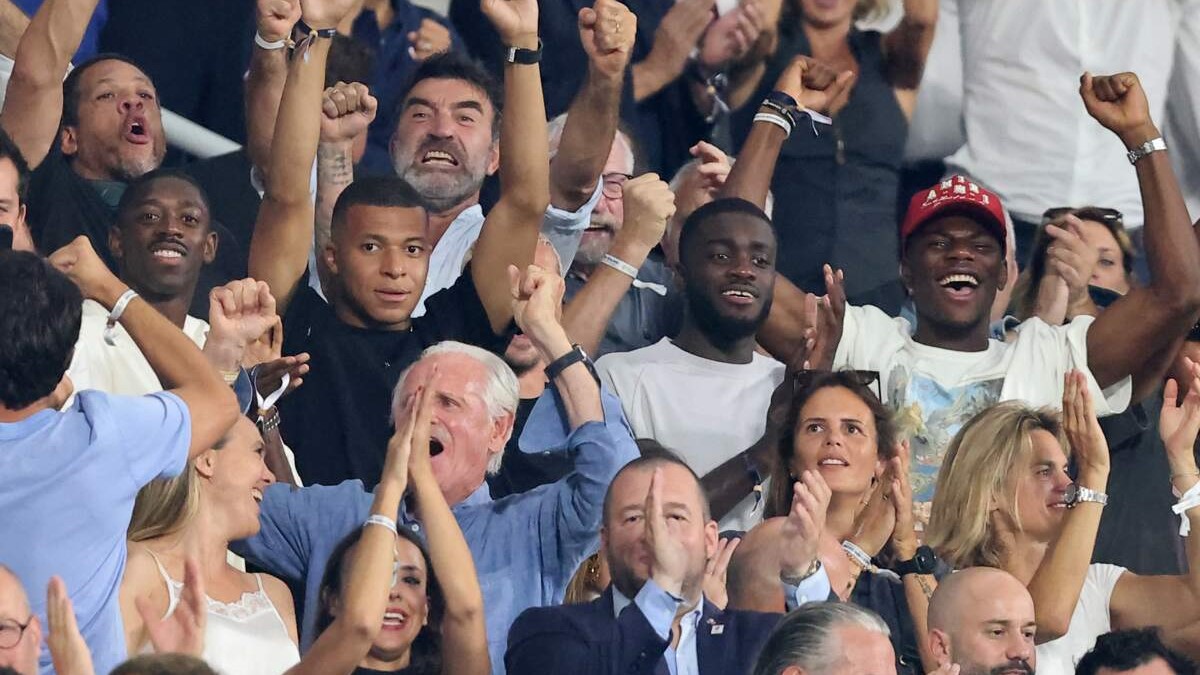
x=838, y=431
x=1004, y=499
x=389, y=604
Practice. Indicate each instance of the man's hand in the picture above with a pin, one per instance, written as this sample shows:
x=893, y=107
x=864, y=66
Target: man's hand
x=322, y=14
x=515, y=20
x=1070, y=258
x=607, y=30
x=800, y=536
x=347, y=109
x=822, y=338
x=78, y=260
x=537, y=304
x=269, y=376
x=669, y=557
x=183, y=631
x=68, y=650
x=275, y=18
x=649, y=204
x=430, y=38
x=717, y=570
x=240, y=313
x=1119, y=103
x=731, y=37
x=813, y=84
x=677, y=35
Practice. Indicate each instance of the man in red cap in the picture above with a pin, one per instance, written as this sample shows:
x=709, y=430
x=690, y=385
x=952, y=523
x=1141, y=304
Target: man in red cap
x=940, y=373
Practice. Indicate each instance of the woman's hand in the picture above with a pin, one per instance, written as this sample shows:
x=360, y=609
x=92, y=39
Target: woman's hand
x=1088, y=445
x=1178, y=425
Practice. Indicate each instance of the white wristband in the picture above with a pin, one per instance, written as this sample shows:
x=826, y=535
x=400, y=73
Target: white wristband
x=110, y=327
x=382, y=521
x=1189, y=500
x=270, y=46
x=620, y=265
x=777, y=120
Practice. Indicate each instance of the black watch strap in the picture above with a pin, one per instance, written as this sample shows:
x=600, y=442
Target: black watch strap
x=524, y=57
x=924, y=562
x=576, y=355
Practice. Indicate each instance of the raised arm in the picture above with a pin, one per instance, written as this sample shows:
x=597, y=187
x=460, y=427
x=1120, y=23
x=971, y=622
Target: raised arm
x=464, y=637
x=175, y=359
x=907, y=47
x=607, y=30
x=34, y=102
x=13, y=23
x=648, y=204
x=1056, y=584
x=370, y=573
x=510, y=232
x=346, y=113
x=264, y=80
x=676, y=37
x=1149, y=318
x=283, y=233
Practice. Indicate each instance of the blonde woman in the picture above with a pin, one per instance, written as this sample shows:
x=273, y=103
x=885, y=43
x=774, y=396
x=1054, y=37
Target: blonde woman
x=1004, y=500
x=251, y=624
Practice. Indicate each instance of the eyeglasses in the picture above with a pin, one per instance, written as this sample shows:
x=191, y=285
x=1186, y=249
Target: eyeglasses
x=1106, y=214
x=614, y=184
x=869, y=379
x=11, y=632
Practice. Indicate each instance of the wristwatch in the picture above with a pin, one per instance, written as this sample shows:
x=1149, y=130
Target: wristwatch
x=576, y=355
x=1077, y=494
x=1146, y=148
x=924, y=562
x=524, y=57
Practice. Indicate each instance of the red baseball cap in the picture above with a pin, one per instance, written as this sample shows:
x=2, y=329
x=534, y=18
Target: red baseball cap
x=956, y=195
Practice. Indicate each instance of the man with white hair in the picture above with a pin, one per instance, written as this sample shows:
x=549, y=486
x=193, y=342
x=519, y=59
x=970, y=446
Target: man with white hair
x=527, y=546
x=20, y=630
x=828, y=637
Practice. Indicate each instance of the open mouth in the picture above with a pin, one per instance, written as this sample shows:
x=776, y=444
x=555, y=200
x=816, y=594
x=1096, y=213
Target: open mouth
x=257, y=495
x=136, y=131
x=438, y=157
x=960, y=286
x=435, y=447
x=739, y=296
x=168, y=251
x=394, y=619
x=833, y=461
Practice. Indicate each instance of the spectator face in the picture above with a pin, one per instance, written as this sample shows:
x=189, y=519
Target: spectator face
x=120, y=134
x=729, y=274
x=623, y=537
x=163, y=238
x=1109, y=271
x=1040, y=485
x=1156, y=666
x=408, y=604
x=953, y=267
x=12, y=211
x=521, y=355
x=864, y=652
x=609, y=213
x=234, y=477
x=992, y=630
x=827, y=12
x=14, y=609
x=836, y=436
x=379, y=257
x=463, y=434
x=443, y=145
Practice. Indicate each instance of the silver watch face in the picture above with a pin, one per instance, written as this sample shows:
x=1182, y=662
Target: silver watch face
x=1071, y=498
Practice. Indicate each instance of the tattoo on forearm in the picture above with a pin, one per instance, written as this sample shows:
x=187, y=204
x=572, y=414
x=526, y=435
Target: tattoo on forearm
x=924, y=586
x=335, y=170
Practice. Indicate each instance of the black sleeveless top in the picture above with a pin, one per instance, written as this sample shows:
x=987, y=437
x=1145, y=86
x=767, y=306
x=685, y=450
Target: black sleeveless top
x=836, y=193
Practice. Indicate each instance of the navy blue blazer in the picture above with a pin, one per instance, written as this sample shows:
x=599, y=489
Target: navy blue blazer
x=587, y=639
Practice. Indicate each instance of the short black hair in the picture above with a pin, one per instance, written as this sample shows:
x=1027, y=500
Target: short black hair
x=384, y=191
x=715, y=208
x=1127, y=649
x=39, y=324
x=349, y=61
x=164, y=664
x=654, y=454
x=10, y=151
x=137, y=189
x=455, y=66
x=5, y=670
x=71, y=93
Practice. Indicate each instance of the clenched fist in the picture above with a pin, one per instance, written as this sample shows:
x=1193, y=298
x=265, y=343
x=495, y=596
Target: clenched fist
x=429, y=39
x=347, y=110
x=649, y=204
x=275, y=18
x=607, y=30
x=78, y=260
x=1119, y=103
x=814, y=84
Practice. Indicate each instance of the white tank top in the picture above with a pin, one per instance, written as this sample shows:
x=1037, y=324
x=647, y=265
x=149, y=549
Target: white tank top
x=247, y=637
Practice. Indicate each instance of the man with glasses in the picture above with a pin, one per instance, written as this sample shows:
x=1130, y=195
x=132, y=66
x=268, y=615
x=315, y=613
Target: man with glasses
x=20, y=630
x=651, y=308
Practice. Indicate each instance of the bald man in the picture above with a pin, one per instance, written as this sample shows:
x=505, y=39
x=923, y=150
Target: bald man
x=982, y=619
x=20, y=632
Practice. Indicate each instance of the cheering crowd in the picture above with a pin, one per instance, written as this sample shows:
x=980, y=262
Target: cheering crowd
x=603, y=338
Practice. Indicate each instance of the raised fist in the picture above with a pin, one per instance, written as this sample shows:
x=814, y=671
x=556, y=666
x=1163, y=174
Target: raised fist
x=275, y=18
x=429, y=39
x=607, y=30
x=515, y=20
x=347, y=110
x=649, y=204
x=814, y=84
x=79, y=261
x=1119, y=103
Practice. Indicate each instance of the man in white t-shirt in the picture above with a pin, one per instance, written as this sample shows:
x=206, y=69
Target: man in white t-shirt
x=704, y=394
x=953, y=263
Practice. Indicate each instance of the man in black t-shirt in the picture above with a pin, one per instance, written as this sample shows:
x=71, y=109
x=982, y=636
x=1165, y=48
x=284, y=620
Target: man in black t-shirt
x=378, y=254
x=88, y=137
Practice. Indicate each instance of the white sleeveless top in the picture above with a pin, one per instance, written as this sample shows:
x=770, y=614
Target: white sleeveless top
x=247, y=637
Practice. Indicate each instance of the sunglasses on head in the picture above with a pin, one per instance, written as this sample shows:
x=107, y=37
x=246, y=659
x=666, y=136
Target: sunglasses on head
x=1106, y=214
x=869, y=379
